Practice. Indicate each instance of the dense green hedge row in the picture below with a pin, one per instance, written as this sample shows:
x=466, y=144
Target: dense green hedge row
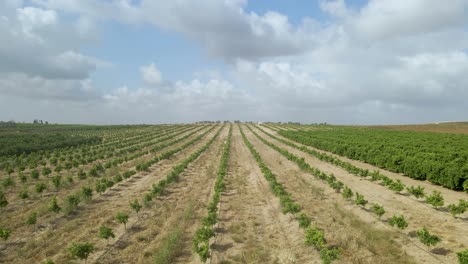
x=314, y=236
x=201, y=241
x=439, y=158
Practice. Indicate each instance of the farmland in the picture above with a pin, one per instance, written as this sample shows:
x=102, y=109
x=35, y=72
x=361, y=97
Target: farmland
x=232, y=193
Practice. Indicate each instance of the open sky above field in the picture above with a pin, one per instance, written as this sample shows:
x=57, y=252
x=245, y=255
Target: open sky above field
x=151, y=61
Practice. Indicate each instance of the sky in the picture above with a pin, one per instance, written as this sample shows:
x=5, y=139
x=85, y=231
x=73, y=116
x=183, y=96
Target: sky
x=153, y=61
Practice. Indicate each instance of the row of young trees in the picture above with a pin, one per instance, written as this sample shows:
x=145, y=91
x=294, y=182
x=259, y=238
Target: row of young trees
x=398, y=221
x=435, y=199
x=71, y=202
x=95, y=171
x=68, y=158
x=201, y=241
x=440, y=158
x=314, y=236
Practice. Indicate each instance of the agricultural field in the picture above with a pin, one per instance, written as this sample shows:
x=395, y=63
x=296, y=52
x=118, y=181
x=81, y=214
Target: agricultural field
x=232, y=193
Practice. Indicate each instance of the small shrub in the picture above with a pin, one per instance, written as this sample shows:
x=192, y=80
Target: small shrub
x=3, y=199
x=32, y=220
x=347, y=193
x=106, y=233
x=417, y=192
x=436, y=199
x=53, y=205
x=396, y=186
x=81, y=251
x=360, y=200
x=427, y=238
x=315, y=237
x=86, y=193
x=457, y=209
x=378, y=210
x=463, y=255
x=398, y=221
x=122, y=218
x=304, y=220
x=40, y=187
x=329, y=255
x=23, y=195
x=136, y=206
x=35, y=174
x=57, y=181
x=5, y=233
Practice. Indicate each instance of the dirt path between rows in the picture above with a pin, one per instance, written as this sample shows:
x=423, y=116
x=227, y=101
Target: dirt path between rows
x=252, y=228
x=417, y=213
x=83, y=226
x=362, y=236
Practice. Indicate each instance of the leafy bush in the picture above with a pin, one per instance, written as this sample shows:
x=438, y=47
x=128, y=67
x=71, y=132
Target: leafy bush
x=360, y=200
x=315, y=237
x=417, y=192
x=106, y=232
x=3, y=199
x=378, y=210
x=32, y=220
x=457, y=209
x=463, y=256
x=136, y=206
x=347, y=193
x=53, y=205
x=71, y=203
x=398, y=221
x=122, y=218
x=40, y=187
x=5, y=233
x=86, y=193
x=396, y=186
x=427, y=238
x=23, y=194
x=81, y=250
x=328, y=255
x=304, y=220
x=436, y=199
x=35, y=174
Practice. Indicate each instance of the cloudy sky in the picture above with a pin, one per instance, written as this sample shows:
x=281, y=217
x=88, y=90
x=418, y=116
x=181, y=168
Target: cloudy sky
x=160, y=61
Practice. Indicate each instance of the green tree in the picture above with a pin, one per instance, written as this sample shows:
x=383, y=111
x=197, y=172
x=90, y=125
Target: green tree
x=57, y=181
x=86, y=193
x=32, y=220
x=427, y=238
x=328, y=255
x=457, y=209
x=5, y=233
x=398, y=221
x=53, y=205
x=40, y=187
x=417, y=192
x=463, y=255
x=136, y=206
x=436, y=199
x=378, y=210
x=347, y=193
x=360, y=200
x=81, y=250
x=122, y=218
x=106, y=233
x=23, y=194
x=3, y=199
x=315, y=237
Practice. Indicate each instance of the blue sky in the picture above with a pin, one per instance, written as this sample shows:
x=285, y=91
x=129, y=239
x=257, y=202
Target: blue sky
x=152, y=61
